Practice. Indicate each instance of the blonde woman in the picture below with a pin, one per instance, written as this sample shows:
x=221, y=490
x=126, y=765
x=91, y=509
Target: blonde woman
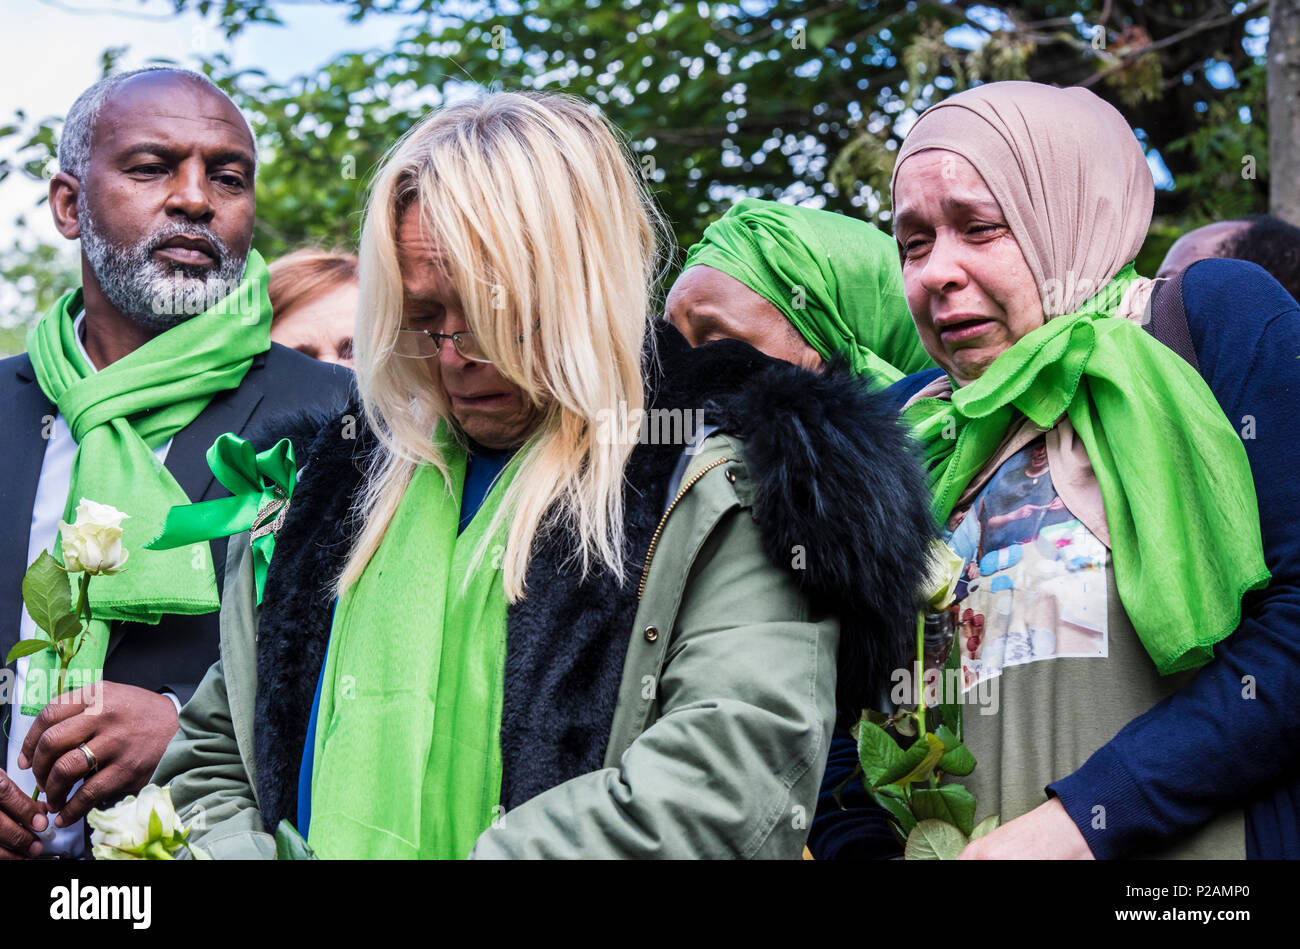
x=559, y=586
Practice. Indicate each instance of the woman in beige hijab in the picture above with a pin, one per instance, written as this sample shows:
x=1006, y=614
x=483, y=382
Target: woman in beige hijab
x=1101, y=502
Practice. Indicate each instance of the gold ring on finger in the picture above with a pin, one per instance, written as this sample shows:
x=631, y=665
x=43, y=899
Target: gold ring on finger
x=91, y=760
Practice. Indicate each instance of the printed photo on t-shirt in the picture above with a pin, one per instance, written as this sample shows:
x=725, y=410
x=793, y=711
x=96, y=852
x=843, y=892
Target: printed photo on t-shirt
x=1034, y=587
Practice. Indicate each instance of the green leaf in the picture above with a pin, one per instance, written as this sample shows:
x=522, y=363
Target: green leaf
x=951, y=711
x=897, y=809
x=957, y=758
x=950, y=714
x=961, y=802
x=46, y=592
x=155, y=827
x=820, y=36
x=951, y=803
x=27, y=647
x=878, y=752
x=988, y=824
x=916, y=764
x=934, y=840
x=66, y=628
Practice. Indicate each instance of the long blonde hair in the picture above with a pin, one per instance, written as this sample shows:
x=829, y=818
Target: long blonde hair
x=554, y=246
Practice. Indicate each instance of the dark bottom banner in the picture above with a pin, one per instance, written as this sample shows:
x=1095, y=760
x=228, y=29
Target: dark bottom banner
x=140, y=900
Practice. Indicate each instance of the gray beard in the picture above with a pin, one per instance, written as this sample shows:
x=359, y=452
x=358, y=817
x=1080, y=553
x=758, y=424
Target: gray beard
x=149, y=293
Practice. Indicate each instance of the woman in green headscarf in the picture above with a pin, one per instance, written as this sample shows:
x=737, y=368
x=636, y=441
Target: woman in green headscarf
x=801, y=285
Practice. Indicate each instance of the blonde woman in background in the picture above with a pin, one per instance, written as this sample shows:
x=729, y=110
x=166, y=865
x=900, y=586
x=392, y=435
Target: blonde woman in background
x=591, y=598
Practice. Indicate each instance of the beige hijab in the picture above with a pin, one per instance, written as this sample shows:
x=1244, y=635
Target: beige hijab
x=1069, y=176
x=1074, y=186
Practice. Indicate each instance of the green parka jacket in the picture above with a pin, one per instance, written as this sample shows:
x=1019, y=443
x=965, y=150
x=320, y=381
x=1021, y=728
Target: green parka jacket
x=724, y=692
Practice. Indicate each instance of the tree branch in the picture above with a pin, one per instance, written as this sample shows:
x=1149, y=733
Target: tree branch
x=1200, y=27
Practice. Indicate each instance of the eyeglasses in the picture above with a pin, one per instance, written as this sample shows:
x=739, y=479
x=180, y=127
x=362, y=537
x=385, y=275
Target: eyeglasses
x=464, y=342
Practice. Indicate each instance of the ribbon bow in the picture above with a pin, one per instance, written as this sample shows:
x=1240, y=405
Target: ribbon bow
x=261, y=484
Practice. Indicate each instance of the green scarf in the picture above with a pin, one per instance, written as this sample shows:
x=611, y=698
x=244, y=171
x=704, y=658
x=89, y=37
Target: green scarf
x=118, y=416
x=408, y=748
x=835, y=278
x=1180, y=500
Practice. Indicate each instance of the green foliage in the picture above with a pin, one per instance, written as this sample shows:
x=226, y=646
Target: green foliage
x=896, y=804
x=917, y=763
x=951, y=803
x=986, y=826
x=1227, y=174
x=957, y=758
x=48, y=599
x=890, y=772
x=795, y=100
x=878, y=753
x=32, y=279
x=934, y=840
x=27, y=647
x=46, y=593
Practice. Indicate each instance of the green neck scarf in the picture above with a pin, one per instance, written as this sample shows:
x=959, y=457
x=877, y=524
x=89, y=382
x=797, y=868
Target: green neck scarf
x=118, y=416
x=835, y=278
x=1180, y=500
x=408, y=749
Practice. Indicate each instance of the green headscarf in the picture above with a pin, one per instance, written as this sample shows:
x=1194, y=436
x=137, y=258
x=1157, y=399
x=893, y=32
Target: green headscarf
x=836, y=279
x=118, y=416
x=1174, y=477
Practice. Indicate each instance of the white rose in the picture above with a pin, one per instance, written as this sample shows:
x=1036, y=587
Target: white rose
x=123, y=832
x=93, y=543
x=945, y=570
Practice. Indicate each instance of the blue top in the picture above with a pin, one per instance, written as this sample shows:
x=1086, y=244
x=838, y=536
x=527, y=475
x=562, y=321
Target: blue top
x=1228, y=739
x=481, y=472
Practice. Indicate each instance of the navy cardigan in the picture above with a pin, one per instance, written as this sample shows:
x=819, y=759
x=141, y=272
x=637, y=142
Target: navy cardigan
x=1154, y=778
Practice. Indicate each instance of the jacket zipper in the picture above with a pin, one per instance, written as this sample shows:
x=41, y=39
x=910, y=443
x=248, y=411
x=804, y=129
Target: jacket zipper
x=654, y=541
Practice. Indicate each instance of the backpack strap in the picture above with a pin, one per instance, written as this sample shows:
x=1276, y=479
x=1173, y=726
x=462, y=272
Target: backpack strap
x=1168, y=318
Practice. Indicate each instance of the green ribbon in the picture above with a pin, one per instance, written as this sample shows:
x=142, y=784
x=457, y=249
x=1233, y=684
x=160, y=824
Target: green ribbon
x=260, y=484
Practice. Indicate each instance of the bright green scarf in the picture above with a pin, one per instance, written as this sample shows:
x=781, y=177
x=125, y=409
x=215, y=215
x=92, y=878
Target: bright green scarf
x=408, y=751
x=118, y=416
x=835, y=278
x=1180, y=500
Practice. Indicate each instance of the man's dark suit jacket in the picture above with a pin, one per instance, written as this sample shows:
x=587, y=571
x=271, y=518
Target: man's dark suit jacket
x=177, y=652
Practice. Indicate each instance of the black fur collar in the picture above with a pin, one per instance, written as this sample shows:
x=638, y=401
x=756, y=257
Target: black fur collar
x=834, y=475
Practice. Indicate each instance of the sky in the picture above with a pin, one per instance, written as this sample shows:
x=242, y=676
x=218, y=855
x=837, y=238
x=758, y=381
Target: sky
x=50, y=51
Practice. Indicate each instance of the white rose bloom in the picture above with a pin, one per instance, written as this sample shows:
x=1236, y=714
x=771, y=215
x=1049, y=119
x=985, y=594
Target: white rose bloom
x=93, y=543
x=122, y=832
x=945, y=570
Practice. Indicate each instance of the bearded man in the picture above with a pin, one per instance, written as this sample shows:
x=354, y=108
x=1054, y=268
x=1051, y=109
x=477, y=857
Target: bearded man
x=126, y=382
